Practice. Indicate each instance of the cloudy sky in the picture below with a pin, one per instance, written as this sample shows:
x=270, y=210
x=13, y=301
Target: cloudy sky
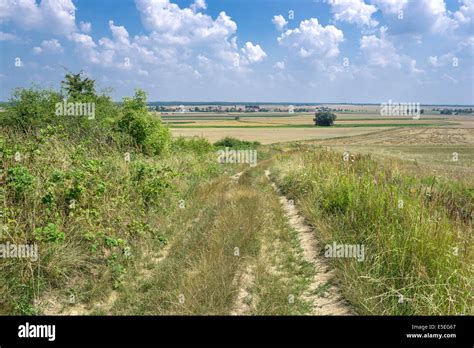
x=246, y=50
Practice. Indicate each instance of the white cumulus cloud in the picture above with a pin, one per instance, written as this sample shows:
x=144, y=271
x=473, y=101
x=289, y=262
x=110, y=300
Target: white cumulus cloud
x=418, y=16
x=254, y=53
x=50, y=46
x=53, y=16
x=85, y=27
x=354, y=12
x=280, y=22
x=198, y=5
x=311, y=39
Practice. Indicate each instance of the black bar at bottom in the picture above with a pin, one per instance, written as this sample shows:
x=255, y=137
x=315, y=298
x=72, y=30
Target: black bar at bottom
x=350, y=330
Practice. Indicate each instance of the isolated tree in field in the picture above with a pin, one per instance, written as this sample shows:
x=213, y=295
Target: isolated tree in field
x=324, y=118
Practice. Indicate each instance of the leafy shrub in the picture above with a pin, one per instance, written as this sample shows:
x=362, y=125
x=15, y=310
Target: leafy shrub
x=235, y=143
x=30, y=107
x=49, y=233
x=19, y=179
x=151, y=181
x=196, y=144
x=324, y=118
x=147, y=132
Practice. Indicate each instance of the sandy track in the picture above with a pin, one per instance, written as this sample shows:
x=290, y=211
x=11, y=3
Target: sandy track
x=331, y=303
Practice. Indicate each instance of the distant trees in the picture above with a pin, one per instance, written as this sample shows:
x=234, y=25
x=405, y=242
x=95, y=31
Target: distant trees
x=446, y=112
x=324, y=118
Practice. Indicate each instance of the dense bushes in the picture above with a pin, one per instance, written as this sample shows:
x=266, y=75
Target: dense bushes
x=29, y=108
x=35, y=109
x=73, y=193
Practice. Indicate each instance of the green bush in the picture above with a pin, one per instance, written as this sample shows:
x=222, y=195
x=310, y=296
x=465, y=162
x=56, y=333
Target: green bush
x=324, y=118
x=147, y=132
x=196, y=144
x=49, y=233
x=236, y=143
x=151, y=180
x=30, y=107
x=19, y=180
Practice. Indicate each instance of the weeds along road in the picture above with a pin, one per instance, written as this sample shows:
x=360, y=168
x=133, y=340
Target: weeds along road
x=237, y=250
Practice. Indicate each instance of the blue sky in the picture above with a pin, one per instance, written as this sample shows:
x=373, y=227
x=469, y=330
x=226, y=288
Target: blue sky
x=246, y=50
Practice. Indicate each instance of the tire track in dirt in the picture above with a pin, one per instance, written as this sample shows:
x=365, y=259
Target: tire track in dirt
x=324, y=297
x=245, y=279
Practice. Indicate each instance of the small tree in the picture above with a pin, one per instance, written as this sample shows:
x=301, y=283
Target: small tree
x=324, y=118
x=76, y=87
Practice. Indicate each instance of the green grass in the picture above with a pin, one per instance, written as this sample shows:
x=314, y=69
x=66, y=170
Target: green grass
x=421, y=250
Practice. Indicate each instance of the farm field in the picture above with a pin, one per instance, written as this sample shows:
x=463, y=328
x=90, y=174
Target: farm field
x=279, y=127
x=270, y=135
